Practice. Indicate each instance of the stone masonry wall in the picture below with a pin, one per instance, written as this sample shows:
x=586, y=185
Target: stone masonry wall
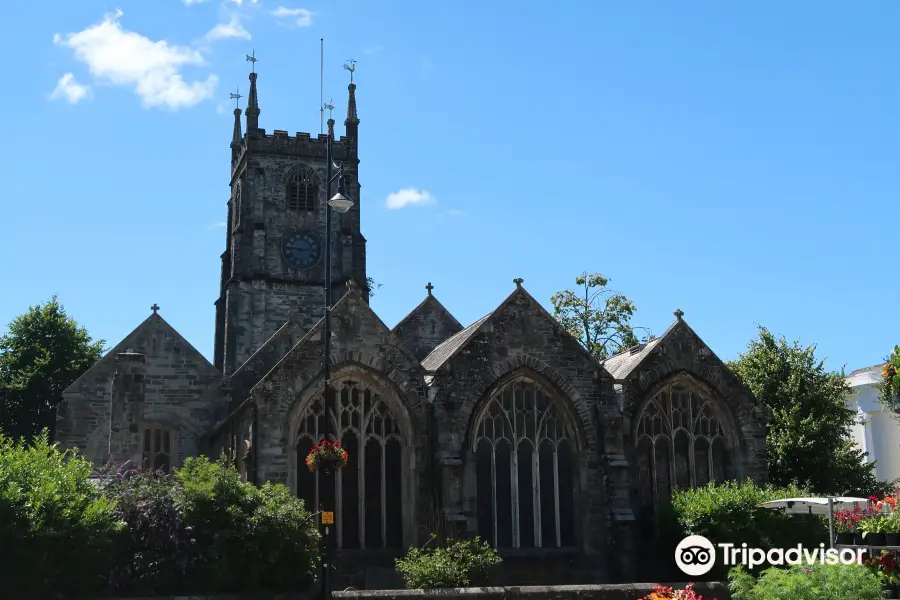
x=634, y=591
x=362, y=347
x=683, y=352
x=263, y=290
x=521, y=336
x=181, y=391
x=426, y=327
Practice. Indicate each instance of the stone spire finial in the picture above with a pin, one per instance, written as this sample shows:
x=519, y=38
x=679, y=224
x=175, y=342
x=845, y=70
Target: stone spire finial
x=429, y=287
x=518, y=281
x=352, y=116
x=678, y=314
x=351, y=123
x=252, y=111
x=331, y=129
x=236, y=135
x=155, y=308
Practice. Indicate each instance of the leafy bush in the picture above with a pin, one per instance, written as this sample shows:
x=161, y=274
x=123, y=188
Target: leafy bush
x=729, y=513
x=133, y=532
x=249, y=538
x=205, y=531
x=156, y=554
x=807, y=582
x=457, y=564
x=57, y=531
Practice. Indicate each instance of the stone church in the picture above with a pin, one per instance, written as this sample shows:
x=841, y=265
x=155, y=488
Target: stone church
x=505, y=428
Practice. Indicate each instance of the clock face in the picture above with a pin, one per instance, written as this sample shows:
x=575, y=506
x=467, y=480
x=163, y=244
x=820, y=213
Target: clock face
x=301, y=250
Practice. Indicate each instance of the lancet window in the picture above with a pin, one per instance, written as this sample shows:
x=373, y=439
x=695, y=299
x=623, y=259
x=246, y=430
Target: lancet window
x=681, y=443
x=157, y=449
x=302, y=190
x=368, y=492
x=524, y=455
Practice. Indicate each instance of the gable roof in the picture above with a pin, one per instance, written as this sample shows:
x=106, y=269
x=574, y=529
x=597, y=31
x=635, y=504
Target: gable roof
x=451, y=347
x=340, y=306
x=429, y=302
x=130, y=342
x=623, y=364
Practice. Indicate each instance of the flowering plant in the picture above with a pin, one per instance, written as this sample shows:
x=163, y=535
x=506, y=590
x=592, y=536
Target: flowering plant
x=885, y=566
x=848, y=521
x=890, y=378
x=326, y=455
x=661, y=592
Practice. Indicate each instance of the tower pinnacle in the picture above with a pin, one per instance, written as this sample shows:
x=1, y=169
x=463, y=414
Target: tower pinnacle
x=236, y=135
x=252, y=111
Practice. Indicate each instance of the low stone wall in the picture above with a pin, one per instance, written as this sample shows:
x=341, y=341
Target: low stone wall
x=628, y=591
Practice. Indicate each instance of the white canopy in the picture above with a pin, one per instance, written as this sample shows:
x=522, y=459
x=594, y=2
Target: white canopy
x=814, y=506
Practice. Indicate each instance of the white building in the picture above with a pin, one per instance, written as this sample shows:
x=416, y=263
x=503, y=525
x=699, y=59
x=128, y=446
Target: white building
x=876, y=431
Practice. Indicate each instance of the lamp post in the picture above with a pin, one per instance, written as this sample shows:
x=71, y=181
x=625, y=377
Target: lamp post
x=340, y=204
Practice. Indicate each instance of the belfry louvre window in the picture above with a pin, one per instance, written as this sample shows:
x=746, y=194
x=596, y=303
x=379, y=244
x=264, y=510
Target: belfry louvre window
x=680, y=444
x=157, y=453
x=368, y=491
x=524, y=454
x=303, y=190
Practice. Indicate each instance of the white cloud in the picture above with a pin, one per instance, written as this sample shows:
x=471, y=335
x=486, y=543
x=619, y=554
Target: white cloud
x=453, y=213
x=192, y=2
x=297, y=17
x=70, y=90
x=152, y=68
x=232, y=29
x=240, y=2
x=373, y=50
x=409, y=197
x=218, y=225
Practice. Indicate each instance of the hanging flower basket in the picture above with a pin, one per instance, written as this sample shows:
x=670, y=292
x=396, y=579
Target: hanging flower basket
x=326, y=456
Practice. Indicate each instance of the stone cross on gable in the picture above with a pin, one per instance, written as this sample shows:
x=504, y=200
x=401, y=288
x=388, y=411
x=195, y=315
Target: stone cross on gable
x=155, y=308
x=518, y=281
x=678, y=314
x=429, y=287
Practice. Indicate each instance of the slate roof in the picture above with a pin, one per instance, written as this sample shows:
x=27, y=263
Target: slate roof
x=622, y=364
x=452, y=345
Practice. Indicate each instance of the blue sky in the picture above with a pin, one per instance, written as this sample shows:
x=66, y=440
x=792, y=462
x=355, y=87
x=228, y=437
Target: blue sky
x=737, y=160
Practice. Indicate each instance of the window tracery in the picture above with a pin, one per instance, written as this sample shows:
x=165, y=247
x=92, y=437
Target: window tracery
x=302, y=190
x=680, y=443
x=157, y=449
x=524, y=457
x=368, y=491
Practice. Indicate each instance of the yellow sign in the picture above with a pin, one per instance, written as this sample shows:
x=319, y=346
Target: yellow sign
x=327, y=518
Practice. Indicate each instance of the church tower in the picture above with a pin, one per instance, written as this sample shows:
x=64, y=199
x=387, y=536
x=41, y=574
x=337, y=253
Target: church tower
x=273, y=268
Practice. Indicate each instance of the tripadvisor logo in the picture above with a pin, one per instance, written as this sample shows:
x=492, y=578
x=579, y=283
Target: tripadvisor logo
x=695, y=555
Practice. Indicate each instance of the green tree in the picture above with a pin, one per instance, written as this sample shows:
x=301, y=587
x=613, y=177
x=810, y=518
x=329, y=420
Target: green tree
x=808, y=439
x=371, y=286
x=43, y=352
x=597, y=317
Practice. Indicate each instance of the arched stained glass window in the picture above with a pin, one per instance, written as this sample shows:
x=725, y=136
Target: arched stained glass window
x=367, y=494
x=525, y=468
x=680, y=443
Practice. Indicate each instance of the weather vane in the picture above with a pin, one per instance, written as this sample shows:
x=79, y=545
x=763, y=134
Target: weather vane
x=252, y=59
x=351, y=67
x=236, y=96
x=329, y=107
